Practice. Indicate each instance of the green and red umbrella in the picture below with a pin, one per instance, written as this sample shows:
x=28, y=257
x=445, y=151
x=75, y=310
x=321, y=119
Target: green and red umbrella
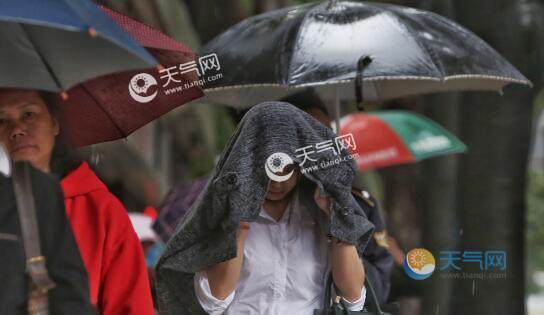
x=386, y=138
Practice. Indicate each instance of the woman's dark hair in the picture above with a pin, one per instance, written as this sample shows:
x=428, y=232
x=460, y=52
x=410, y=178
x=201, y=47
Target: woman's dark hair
x=306, y=100
x=64, y=159
x=51, y=102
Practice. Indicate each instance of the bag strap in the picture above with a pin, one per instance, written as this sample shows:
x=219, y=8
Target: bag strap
x=374, y=305
x=328, y=293
x=35, y=262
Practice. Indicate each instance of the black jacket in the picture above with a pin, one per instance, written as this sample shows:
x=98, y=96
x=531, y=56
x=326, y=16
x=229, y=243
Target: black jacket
x=71, y=295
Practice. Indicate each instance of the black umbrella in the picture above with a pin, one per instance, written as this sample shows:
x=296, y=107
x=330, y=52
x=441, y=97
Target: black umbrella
x=398, y=51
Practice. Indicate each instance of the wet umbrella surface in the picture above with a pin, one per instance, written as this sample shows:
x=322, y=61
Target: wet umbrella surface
x=407, y=51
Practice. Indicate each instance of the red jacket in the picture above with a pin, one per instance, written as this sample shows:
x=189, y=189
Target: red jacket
x=108, y=245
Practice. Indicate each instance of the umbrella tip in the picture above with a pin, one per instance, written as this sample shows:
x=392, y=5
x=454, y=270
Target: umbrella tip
x=160, y=67
x=92, y=32
x=64, y=95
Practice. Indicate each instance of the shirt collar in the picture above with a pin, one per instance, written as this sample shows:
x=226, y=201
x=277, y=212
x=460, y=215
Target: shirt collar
x=285, y=218
x=288, y=211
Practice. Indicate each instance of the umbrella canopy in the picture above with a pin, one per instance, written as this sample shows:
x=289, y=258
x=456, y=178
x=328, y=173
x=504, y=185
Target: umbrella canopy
x=113, y=106
x=325, y=44
x=386, y=138
x=176, y=205
x=56, y=44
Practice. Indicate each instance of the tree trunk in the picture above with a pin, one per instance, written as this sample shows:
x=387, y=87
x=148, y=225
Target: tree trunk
x=439, y=196
x=213, y=17
x=492, y=174
x=439, y=193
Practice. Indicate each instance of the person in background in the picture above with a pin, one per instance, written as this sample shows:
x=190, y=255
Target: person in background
x=377, y=259
x=107, y=242
x=175, y=206
x=150, y=241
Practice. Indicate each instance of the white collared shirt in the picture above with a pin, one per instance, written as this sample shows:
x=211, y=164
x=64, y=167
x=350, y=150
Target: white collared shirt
x=283, y=271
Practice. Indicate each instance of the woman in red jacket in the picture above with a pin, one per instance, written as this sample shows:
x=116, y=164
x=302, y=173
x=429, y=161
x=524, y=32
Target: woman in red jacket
x=107, y=242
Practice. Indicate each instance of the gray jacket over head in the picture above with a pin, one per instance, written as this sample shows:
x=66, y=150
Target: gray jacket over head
x=237, y=189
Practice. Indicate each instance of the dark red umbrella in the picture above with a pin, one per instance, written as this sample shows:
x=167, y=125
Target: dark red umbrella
x=113, y=106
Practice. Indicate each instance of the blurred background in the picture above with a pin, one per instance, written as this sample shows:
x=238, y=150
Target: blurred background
x=490, y=198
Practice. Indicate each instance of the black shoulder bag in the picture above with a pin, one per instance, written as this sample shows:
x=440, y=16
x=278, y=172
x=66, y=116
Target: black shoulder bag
x=336, y=306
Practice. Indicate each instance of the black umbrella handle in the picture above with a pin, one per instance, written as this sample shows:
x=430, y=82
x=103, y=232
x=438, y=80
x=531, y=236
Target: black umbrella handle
x=363, y=62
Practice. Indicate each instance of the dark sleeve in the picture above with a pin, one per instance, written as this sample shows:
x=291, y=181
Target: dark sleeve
x=378, y=272
x=64, y=263
x=377, y=260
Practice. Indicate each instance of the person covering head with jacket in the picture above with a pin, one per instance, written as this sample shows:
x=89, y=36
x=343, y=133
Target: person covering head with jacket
x=107, y=242
x=275, y=217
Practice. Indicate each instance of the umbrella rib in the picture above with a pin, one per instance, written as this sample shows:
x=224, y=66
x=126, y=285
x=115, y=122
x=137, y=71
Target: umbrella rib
x=42, y=59
x=104, y=111
x=114, y=40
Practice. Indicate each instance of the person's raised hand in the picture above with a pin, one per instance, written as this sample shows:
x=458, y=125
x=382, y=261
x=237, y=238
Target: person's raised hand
x=243, y=228
x=395, y=251
x=244, y=225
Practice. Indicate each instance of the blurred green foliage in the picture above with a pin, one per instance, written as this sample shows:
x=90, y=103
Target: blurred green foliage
x=225, y=123
x=535, y=227
x=535, y=214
